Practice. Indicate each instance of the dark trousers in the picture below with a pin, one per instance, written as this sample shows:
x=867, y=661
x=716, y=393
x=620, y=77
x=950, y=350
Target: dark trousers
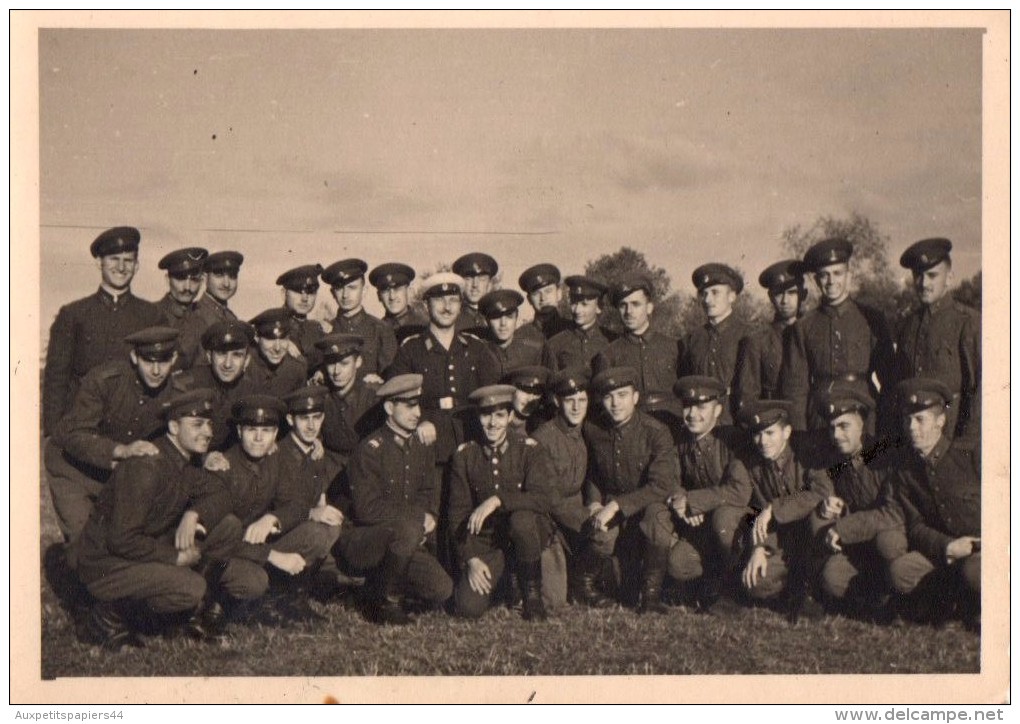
x=74, y=488
x=693, y=550
x=864, y=566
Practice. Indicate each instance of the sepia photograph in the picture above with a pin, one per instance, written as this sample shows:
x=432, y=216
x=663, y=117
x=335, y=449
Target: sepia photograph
x=644, y=349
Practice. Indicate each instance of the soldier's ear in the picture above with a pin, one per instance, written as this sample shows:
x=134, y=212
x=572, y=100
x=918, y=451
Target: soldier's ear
x=290, y=419
x=787, y=431
x=247, y=358
x=173, y=358
x=173, y=427
x=357, y=362
x=134, y=358
x=651, y=307
x=388, y=407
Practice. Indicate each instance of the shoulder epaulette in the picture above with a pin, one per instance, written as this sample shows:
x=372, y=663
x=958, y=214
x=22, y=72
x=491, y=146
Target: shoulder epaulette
x=409, y=337
x=374, y=442
x=463, y=445
x=530, y=441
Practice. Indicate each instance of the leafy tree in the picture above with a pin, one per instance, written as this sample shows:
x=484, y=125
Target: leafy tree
x=969, y=292
x=670, y=309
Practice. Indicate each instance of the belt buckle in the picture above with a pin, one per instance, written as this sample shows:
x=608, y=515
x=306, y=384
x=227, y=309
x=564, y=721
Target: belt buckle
x=445, y=403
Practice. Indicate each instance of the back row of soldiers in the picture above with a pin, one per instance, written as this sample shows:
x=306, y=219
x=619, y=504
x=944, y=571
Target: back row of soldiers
x=685, y=502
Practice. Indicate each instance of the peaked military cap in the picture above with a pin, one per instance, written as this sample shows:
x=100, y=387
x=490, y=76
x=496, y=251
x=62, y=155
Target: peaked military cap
x=115, y=241
x=581, y=287
x=273, y=323
x=829, y=251
x=301, y=279
x=570, y=381
x=193, y=403
x=337, y=346
x=258, y=410
x=760, y=414
x=920, y=393
x=344, y=272
x=401, y=387
x=630, y=284
x=782, y=275
x=840, y=398
x=305, y=400
x=499, y=303
x=475, y=264
x=228, y=334
x=391, y=275
x=492, y=396
x=695, y=389
x=442, y=283
x=221, y=262
x=156, y=344
x=708, y=275
x=530, y=378
x=538, y=276
x=184, y=262
x=613, y=379
x=923, y=255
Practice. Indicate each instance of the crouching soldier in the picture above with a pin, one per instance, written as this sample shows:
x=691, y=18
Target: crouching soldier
x=857, y=521
x=394, y=487
x=632, y=464
x=264, y=489
x=140, y=544
x=500, y=495
x=706, y=449
x=562, y=437
x=771, y=483
x=938, y=488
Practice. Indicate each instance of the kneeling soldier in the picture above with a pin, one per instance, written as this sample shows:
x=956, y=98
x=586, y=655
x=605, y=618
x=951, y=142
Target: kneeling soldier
x=938, y=488
x=500, y=491
x=857, y=520
x=395, y=491
x=140, y=545
x=632, y=464
x=265, y=495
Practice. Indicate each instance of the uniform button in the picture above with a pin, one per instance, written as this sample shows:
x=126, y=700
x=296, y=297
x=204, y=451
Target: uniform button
x=451, y=367
x=496, y=486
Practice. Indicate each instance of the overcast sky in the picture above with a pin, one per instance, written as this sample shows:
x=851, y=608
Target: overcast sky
x=311, y=146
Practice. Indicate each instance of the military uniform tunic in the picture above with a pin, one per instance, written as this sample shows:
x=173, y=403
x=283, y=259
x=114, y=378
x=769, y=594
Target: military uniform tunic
x=848, y=341
x=569, y=456
x=305, y=333
x=449, y=377
x=380, y=344
x=470, y=320
x=85, y=334
x=224, y=431
x=286, y=377
x=184, y=319
x=759, y=363
x=349, y=418
x=548, y=324
x=524, y=350
x=943, y=342
x=306, y=481
x=411, y=321
x=654, y=356
x=711, y=350
x=576, y=347
x=210, y=310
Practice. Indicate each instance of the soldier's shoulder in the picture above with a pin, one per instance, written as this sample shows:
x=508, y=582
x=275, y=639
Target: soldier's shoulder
x=113, y=369
x=965, y=311
x=374, y=441
x=414, y=340
x=872, y=314
x=182, y=380
x=651, y=423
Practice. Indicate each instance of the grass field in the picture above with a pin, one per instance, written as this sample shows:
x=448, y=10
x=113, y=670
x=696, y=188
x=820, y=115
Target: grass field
x=574, y=641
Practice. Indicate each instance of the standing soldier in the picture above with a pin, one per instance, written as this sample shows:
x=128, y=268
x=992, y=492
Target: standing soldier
x=542, y=285
x=938, y=488
x=761, y=357
x=395, y=492
x=653, y=356
x=942, y=339
x=184, y=278
x=347, y=278
x=511, y=346
x=300, y=287
x=585, y=338
x=392, y=281
x=115, y=416
x=857, y=520
x=841, y=340
x=140, y=545
x=221, y=270
x=227, y=347
x=562, y=438
x=500, y=495
x=632, y=465
x=273, y=367
x=92, y=330
x=711, y=349
x=351, y=400
x=476, y=271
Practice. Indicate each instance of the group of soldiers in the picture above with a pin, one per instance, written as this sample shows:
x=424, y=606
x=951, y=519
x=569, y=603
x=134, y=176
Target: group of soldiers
x=197, y=461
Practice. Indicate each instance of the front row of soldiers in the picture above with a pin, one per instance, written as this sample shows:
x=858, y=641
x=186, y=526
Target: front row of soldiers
x=656, y=486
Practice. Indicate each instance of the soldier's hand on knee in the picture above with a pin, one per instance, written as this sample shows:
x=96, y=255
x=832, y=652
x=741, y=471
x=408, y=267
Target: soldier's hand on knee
x=291, y=563
x=259, y=531
x=188, y=557
x=760, y=532
x=426, y=433
x=184, y=538
x=756, y=568
x=832, y=541
x=694, y=520
x=216, y=462
x=606, y=515
x=327, y=515
x=481, y=513
x=479, y=577
x=831, y=507
x=961, y=548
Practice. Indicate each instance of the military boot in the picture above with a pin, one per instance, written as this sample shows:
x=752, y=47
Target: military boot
x=387, y=606
x=584, y=586
x=653, y=575
x=107, y=627
x=531, y=579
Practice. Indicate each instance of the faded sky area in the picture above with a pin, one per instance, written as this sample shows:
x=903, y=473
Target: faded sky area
x=533, y=145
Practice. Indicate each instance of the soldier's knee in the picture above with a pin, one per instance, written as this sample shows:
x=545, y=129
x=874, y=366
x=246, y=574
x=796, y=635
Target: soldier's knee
x=183, y=593
x=405, y=535
x=725, y=522
x=523, y=522
x=770, y=586
x=970, y=573
x=657, y=524
x=244, y=580
x=684, y=563
x=437, y=588
x=907, y=571
x=837, y=572
x=467, y=603
x=891, y=544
